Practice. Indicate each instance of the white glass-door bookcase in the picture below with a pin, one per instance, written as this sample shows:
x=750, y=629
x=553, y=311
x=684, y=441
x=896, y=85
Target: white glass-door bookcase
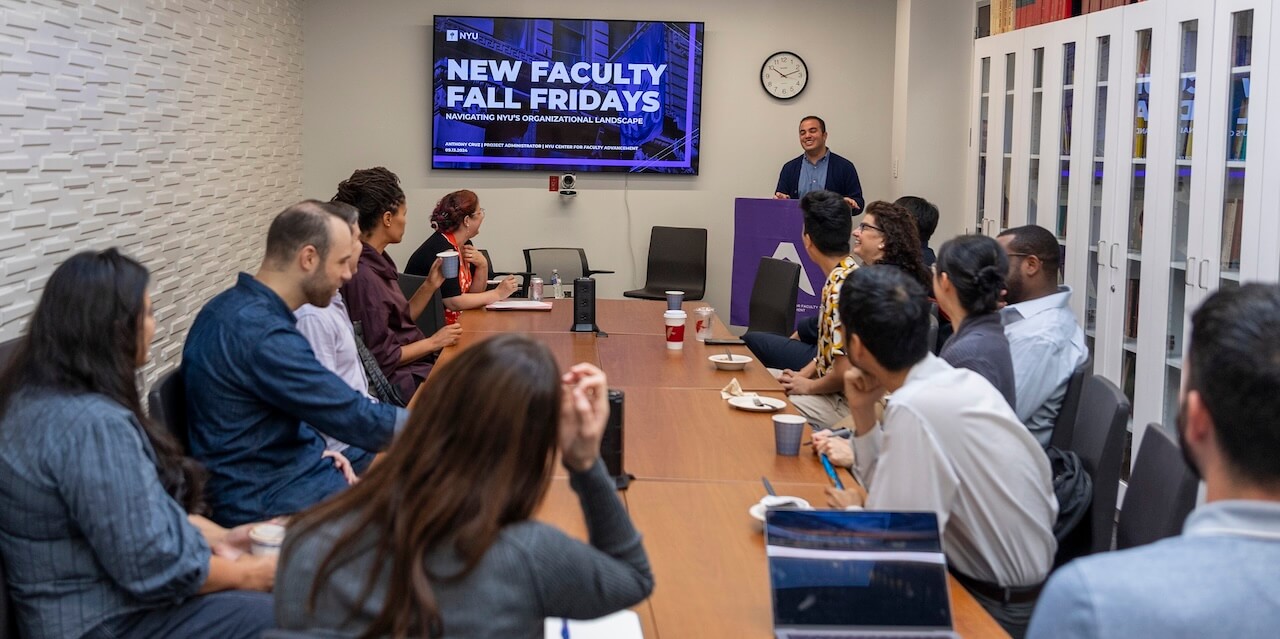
x=1127, y=132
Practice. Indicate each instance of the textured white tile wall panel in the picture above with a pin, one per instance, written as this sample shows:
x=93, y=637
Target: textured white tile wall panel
x=169, y=128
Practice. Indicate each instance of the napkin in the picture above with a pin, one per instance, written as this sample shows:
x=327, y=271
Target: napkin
x=734, y=389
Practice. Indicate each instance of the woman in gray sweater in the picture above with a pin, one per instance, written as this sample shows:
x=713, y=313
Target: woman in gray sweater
x=968, y=283
x=436, y=540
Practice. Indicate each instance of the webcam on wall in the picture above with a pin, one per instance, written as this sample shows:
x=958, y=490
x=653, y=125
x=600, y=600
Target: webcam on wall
x=568, y=184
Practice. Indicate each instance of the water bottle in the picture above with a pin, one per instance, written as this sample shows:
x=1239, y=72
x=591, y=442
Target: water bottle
x=556, y=291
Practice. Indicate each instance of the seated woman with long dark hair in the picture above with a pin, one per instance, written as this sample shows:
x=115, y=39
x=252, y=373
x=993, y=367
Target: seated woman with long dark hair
x=436, y=540
x=970, y=278
x=94, y=528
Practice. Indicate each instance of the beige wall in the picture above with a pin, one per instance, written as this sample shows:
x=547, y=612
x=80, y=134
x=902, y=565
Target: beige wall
x=157, y=126
x=367, y=102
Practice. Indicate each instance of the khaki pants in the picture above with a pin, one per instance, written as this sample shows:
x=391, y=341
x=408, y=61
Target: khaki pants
x=822, y=411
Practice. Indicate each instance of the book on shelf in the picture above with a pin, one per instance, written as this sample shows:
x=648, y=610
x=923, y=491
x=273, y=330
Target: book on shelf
x=1232, y=228
x=1131, y=316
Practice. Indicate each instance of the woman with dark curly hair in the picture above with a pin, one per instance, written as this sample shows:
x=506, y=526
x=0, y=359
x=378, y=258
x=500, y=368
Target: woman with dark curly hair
x=888, y=235
x=970, y=276
x=456, y=219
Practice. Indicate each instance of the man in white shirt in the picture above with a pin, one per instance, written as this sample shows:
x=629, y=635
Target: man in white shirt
x=1221, y=576
x=948, y=443
x=1045, y=340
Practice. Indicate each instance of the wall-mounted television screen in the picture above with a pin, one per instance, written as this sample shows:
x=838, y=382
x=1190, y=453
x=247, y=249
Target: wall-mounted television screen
x=566, y=95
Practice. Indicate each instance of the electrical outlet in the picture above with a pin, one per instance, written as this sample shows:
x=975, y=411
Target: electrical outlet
x=895, y=168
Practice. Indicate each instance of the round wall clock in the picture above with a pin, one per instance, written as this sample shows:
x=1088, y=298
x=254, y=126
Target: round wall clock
x=784, y=75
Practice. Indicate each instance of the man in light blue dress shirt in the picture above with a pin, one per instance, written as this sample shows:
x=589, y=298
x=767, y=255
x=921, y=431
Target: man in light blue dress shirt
x=1221, y=577
x=1045, y=340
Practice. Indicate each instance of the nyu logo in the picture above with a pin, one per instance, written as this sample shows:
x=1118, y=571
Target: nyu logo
x=453, y=35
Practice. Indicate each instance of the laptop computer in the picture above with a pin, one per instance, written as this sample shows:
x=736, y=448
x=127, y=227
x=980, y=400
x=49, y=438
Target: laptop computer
x=847, y=574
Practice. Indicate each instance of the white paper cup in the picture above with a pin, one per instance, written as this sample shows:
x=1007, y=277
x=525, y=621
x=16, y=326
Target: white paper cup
x=675, y=321
x=265, y=539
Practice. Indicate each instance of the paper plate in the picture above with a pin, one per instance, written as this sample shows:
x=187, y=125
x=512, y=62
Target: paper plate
x=748, y=403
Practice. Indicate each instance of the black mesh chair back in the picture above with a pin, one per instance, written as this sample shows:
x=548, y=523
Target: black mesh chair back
x=570, y=262
x=1161, y=493
x=677, y=262
x=432, y=317
x=1066, y=422
x=167, y=404
x=773, y=297
x=1098, y=439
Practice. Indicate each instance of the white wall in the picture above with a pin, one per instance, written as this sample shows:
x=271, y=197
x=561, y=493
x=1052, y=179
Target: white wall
x=367, y=102
x=931, y=103
x=158, y=126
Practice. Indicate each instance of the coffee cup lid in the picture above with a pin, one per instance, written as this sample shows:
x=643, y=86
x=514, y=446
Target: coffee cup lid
x=267, y=533
x=675, y=314
x=447, y=254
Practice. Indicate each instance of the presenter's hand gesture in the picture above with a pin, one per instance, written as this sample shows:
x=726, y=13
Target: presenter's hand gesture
x=584, y=411
x=779, y=195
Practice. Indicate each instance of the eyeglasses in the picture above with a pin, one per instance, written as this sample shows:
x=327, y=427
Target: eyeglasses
x=862, y=226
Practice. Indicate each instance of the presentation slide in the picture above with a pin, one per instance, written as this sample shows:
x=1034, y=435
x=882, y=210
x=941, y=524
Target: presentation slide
x=566, y=95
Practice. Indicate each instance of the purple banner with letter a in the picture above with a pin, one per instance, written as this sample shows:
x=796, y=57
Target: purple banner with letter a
x=770, y=228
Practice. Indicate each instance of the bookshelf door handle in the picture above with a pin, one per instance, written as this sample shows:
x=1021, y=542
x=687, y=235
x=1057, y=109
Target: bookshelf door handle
x=1186, y=276
x=1204, y=268
x=1099, y=260
x=1113, y=254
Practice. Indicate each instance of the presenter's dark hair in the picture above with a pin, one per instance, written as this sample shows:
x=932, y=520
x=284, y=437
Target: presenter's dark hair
x=304, y=224
x=901, y=240
x=889, y=311
x=1038, y=241
x=374, y=192
x=828, y=221
x=498, y=401
x=925, y=213
x=822, y=124
x=452, y=209
x=1235, y=366
x=84, y=337
x=976, y=266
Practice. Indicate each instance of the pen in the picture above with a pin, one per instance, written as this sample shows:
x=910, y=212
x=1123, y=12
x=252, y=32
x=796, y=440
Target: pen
x=831, y=472
x=564, y=628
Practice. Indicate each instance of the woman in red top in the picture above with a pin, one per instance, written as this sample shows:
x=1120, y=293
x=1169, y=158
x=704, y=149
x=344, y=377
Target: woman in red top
x=456, y=219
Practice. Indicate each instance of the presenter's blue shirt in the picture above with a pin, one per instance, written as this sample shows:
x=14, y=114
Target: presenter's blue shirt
x=252, y=380
x=813, y=176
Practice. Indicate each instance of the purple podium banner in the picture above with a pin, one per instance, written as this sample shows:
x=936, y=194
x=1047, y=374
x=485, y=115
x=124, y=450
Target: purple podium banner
x=770, y=228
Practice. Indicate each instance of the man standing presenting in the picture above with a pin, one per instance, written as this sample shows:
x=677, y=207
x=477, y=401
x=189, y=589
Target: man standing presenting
x=1219, y=577
x=1045, y=339
x=819, y=168
x=252, y=379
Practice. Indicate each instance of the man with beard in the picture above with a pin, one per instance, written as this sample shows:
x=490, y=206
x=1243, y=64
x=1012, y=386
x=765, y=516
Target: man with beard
x=1220, y=577
x=252, y=379
x=1045, y=340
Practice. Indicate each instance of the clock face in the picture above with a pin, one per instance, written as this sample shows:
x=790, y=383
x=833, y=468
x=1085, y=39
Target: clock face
x=784, y=75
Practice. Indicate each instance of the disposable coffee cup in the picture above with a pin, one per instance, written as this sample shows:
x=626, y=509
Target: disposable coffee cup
x=674, y=300
x=450, y=265
x=675, y=321
x=787, y=432
x=702, y=322
x=265, y=539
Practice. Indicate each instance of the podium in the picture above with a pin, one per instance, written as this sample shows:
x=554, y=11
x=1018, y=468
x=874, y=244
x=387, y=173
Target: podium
x=770, y=228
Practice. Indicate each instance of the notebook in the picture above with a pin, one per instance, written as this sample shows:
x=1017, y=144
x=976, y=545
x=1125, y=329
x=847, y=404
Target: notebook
x=846, y=574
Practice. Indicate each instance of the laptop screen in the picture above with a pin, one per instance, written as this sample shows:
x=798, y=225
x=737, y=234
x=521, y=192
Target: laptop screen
x=857, y=569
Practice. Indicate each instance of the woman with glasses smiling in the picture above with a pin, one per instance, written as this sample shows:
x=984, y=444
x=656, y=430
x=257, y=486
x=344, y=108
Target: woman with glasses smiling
x=888, y=235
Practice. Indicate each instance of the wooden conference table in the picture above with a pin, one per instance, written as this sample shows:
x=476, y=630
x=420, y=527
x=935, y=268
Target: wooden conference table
x=697, y=463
